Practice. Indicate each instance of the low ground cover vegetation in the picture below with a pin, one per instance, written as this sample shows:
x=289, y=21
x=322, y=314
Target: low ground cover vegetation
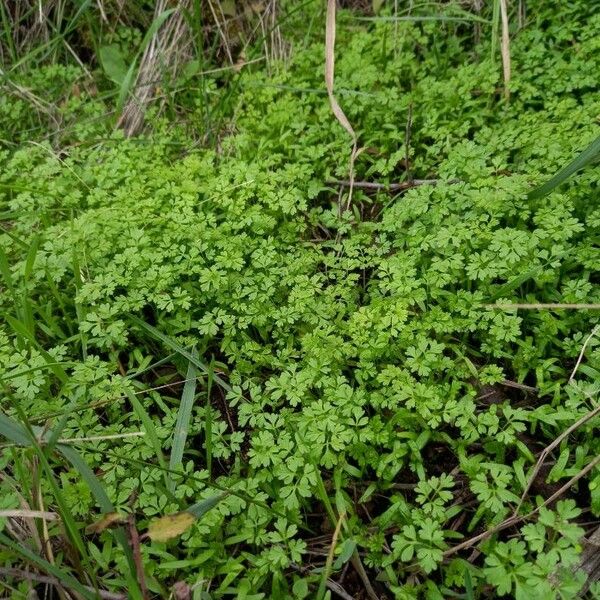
x=224, y=378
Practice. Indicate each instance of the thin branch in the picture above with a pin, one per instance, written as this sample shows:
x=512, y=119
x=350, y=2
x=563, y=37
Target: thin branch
x=518, y=386
x=548, y=449
x=134, y=541
x=29, y=576
x=336, y=588
x=548, y=306
x=389, y=187
x=513, y=520
x=330, y=556
x=585, y=344
x=357, y=564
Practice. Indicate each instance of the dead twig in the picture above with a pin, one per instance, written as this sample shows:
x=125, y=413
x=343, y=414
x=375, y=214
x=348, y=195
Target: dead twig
x=330, y=555
x=358, y=566
x=134, y=540
x=28, y=514
x=336, y=588
x=518, y=386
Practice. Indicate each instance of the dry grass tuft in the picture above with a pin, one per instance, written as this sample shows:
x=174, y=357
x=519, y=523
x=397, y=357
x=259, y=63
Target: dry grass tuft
x=169, y=48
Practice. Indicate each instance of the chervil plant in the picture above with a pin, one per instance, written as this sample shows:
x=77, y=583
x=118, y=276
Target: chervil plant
x=301, y=399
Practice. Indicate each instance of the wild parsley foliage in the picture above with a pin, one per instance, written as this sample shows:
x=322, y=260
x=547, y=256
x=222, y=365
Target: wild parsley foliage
x=362, y=371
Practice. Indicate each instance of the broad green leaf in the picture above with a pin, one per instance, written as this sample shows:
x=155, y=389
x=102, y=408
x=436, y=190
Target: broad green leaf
x=345, y=555
x=113, y=63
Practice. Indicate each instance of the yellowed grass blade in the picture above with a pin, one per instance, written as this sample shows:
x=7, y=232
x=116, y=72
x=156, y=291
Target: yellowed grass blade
x=337, y=110
x=28, y=514
x=330, y=70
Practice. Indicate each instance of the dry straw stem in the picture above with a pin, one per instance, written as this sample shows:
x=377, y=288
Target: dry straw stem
x=28, y=514
x=28, y=521
x=583, y=349
x=101, y=438
x=340, y=115
x=505, y=48
x=548, y=306
x=28, y=96
x=274, y=46
x=45, y=533
x=220, y=29
x=330, y=555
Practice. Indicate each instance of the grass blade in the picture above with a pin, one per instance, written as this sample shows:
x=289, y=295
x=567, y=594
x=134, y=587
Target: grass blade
x=67, y=580
x=88, y=476
x=183, y=417
x=150, y=430
x=469, y=592
x=584, y=159
x=5, y=271
x=129, y=78
x=201, y=508
x=63, y=508
x=18, y=434
x=208, y=424
x=171, y=343
x=106, y=506
x=13, y=431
